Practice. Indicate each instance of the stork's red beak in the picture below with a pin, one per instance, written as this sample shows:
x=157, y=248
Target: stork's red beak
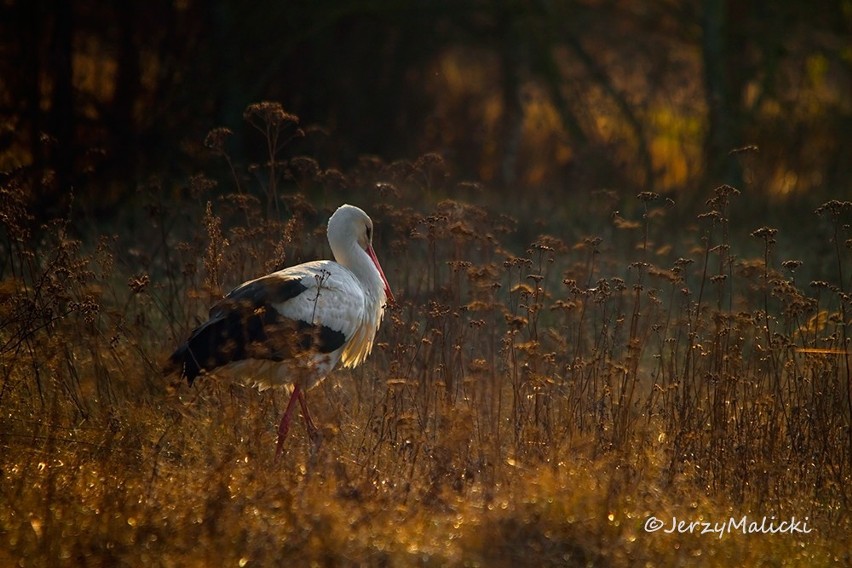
x=375, y=260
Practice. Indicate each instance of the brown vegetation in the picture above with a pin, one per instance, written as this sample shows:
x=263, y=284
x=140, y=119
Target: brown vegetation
x=527, y=403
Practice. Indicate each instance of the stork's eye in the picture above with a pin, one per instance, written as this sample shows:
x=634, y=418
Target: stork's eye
x=369, y=233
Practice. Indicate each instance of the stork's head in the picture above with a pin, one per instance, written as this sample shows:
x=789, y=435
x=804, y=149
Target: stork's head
x=349, y=226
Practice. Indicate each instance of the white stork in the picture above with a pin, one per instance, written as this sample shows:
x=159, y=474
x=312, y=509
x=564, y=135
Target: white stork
x=293, y=326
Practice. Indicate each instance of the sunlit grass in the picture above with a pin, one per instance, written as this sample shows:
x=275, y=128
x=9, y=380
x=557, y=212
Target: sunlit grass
x=531, y=401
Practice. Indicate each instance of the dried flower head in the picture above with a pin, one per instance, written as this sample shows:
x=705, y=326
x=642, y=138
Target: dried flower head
x=834, y=208
x=764, y=233
x=200, y=184
x=267, y=114
x=215, y=140
x=138, y=284
x=647, y=196
x=303, y=168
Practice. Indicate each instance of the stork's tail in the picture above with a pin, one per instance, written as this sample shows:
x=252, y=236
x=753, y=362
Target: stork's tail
x=184, y=362
x=215, y=343
x=187, y=358
x=243, y=331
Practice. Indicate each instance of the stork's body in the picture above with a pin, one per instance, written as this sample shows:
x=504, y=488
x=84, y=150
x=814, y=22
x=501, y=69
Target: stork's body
x=293, y=326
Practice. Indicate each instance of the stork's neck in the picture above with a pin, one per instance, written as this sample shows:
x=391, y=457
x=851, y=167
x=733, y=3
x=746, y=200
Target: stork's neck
x=359, y=262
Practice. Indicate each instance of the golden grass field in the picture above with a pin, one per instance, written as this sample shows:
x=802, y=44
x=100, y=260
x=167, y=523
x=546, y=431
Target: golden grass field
x=546, y=383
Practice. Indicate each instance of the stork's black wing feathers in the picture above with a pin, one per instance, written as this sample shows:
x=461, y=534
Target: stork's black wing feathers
x=246, y=325
x=260, y=292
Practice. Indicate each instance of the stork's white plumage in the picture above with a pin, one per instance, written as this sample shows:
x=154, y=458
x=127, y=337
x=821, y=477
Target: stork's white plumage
x=293, y=326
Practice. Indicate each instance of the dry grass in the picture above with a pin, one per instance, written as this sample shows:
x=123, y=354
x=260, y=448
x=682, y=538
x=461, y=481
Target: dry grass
x=527, y=404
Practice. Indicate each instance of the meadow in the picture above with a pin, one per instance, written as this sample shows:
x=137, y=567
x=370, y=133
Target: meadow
x=555, y=372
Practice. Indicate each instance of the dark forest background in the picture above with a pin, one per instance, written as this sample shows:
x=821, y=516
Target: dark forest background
x=619, y=234
x=672, y=96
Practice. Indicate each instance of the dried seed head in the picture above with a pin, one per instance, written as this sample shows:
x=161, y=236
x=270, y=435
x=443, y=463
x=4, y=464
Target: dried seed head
x=429, y=159
x=333, y=179
x=834, y=207
x=269, y=114
x=549, y=243
x=744, y=149
x=725, y=190
x=215, y=140
x=200, y=184
x=138, y=284
x=764, y=232
x=712, y=215
x=647, y=196
x=303, y=168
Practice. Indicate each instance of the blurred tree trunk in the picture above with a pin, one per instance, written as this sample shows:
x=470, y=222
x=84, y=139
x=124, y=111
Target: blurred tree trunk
x=722, y=96
x=61, y=117
x=513, y=61
x=125, y=127
x=31, y=31
x=234, y=95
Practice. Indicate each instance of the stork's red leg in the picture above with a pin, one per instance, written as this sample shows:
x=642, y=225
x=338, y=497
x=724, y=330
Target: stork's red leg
x=284, y=427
